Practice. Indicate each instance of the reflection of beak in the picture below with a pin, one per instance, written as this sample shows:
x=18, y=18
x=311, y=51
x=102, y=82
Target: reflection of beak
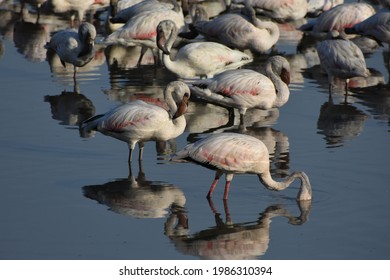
x=161, y=43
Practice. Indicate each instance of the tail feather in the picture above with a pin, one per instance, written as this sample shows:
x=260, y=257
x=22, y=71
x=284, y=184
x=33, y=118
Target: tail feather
x=89, y=126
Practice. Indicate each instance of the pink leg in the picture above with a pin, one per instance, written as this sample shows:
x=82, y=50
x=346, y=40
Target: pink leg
x=218, y=175
x=227, y=186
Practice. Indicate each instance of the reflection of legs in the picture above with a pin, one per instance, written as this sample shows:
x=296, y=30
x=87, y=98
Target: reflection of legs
x=218, y=175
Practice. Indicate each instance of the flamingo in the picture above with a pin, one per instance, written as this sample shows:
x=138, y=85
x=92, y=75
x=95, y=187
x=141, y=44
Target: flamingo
x=341, y=58
x=377, y=26
x=339, y=17
x=126, y=14
x=316, y=7
x=240, y=31
x=280, y=10
x=200, y=59
x=246, y=88
x=74, y=47
x=235, y=153
x=141, y=29
x=138, y=122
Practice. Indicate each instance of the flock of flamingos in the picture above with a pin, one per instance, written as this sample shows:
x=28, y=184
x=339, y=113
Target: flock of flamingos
x=206, y=49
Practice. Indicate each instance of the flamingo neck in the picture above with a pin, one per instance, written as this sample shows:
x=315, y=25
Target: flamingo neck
x=305, y=192
x=282, y=90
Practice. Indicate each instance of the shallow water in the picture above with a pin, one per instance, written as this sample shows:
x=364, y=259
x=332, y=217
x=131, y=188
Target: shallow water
x=68, y=197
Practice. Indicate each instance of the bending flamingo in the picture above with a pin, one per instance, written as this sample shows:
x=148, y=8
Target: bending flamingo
x=200, y=59
x=234, y=153
x=240, y=31
x=245, y=88
x=74, y=47
x=138, y=122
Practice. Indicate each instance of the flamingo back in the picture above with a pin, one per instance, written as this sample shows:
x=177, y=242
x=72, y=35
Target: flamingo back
x=228, y=152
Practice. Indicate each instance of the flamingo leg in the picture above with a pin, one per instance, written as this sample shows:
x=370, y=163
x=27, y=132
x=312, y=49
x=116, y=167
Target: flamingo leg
x=218, y=175
x=229, y=178
x=141, y=150
x=226, y=193
x=130, y=155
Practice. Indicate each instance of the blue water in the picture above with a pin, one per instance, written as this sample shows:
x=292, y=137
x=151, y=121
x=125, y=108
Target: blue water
x=67, y=197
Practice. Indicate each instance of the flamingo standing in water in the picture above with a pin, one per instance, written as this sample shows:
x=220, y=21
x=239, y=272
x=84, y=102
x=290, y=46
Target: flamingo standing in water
x=341, y=58
x=74, y=47
x=234, y=153
x=200, y=59
x=138, y=122
x=240, y=31
x=246, y=88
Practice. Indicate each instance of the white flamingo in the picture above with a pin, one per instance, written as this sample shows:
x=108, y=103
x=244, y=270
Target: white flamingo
x=341, y=58
x=240, y=31
x=74, y=47
x=234, y=153
x=280, y=10
x=200, y=59
x=339, y=17
x=246, y=88
x=138, y=122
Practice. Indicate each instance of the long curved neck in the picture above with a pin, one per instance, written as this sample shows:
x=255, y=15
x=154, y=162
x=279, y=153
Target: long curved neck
x=169, y=100
x=305, y=192
x=282, y=90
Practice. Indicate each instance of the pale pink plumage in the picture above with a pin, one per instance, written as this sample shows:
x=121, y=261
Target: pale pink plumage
x=138, y=122
x=200, y=59
x=234, y=153
x=245, y=88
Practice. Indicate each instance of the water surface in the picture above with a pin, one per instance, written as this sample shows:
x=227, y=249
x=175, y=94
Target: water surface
x=68, y=197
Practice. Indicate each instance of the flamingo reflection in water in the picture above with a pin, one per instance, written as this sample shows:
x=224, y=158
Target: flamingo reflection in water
x=228, y=240
x=70, y=107
x=234, y=153
x=136, y=196
x=340, y=122
x=138, y=122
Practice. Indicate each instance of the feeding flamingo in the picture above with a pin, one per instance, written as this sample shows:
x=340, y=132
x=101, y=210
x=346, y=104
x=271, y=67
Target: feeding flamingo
x=246, y=88
x=240, y=31
x=138, y=122
x=234, y=153
x=200, y=59
x=341, y=58
x=74, y=47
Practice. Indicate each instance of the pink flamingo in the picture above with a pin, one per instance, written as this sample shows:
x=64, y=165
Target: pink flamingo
x=138, y=122
x=246, y=88
x=234, y=153
x=339, y=17
x=200, y=59
x=280, y=10
x=240, y=31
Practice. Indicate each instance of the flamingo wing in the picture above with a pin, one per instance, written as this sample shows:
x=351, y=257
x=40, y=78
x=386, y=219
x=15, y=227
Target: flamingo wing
x=229, y=152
